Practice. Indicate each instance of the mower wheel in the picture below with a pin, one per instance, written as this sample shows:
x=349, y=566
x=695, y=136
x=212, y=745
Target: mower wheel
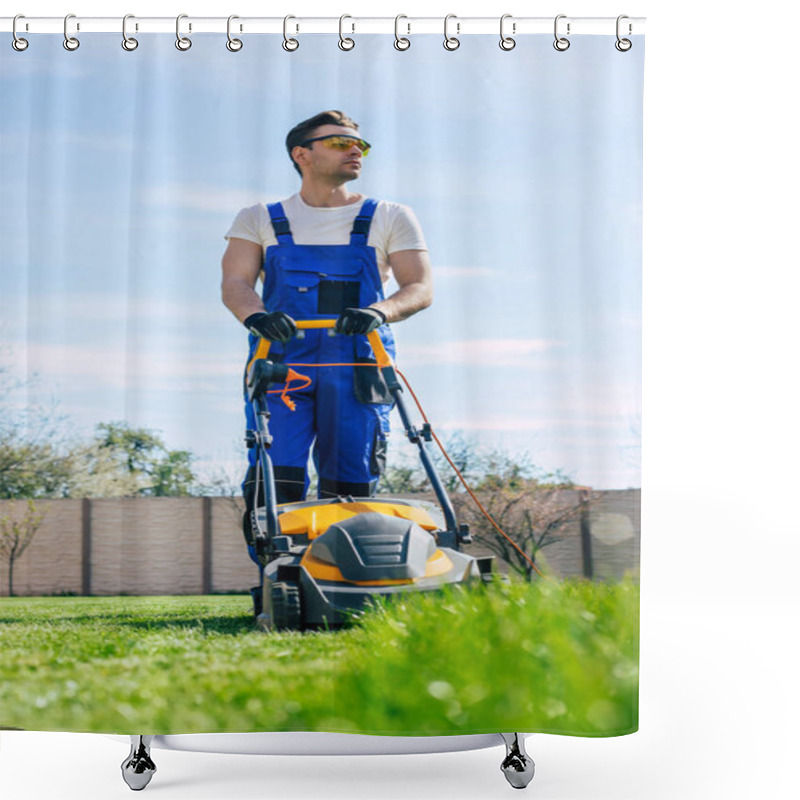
x=257, y=594
x=286, y=610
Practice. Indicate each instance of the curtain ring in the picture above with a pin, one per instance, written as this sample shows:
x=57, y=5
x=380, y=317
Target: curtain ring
x=623, y=45
x=70, y=42
x=18, y=43
x=181, y=42
x=451, y=42
x=345, y=43
x=128, y=42
x=561, y=43
x=290, y=45
x=401, y=43
x=234, y=45
x=506, y=42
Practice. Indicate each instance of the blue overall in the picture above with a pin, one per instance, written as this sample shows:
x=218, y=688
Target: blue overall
x=344, y=414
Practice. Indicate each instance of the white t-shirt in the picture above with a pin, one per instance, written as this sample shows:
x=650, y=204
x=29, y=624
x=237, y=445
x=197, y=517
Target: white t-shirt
x=394, y=227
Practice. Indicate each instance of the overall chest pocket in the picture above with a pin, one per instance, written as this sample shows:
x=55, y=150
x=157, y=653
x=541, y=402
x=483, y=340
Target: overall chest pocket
x=317, y=293
x=336, y=294
x=299, y=293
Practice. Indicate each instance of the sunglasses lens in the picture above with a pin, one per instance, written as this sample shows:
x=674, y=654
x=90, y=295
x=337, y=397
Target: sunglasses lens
x=345, y=143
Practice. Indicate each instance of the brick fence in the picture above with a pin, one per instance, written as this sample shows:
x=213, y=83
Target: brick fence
x=194, y=545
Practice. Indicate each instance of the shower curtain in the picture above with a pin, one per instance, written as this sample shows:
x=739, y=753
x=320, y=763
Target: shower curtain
x=502, y=258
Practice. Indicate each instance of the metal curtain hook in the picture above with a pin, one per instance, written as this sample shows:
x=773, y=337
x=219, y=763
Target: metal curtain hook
x=290, y=45
x=18, y=43
x=345, y=43
x=70, y=42
x=451, y=42
x=506, y=42
x=400, y=42
x=623, y=45
x=182, y=42
x=561, y=43
x=234, y=45
x=128, y=42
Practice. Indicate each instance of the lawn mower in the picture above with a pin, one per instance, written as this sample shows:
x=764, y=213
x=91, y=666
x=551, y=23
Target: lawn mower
x=324, y=560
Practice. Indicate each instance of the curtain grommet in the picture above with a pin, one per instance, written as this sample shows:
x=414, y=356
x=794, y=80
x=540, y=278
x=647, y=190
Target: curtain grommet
x=70, y=43
x=451, y=43
x=18, y=43
x=128, y=42
x=561, y=43
x=183, y=43
x=623, y=45
x=289, y=44
x=345, y=42
x=400, y=42
x=234, y=45
x=507, y=43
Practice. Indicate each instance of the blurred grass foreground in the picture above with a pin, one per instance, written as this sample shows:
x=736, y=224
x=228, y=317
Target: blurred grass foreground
x=542, y=657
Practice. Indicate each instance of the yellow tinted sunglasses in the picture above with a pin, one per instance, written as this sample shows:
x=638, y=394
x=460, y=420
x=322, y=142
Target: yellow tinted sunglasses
x=338, y=141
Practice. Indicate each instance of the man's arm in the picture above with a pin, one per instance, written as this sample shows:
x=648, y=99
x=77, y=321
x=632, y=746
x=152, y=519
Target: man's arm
x=240, y=267
x=412, y=271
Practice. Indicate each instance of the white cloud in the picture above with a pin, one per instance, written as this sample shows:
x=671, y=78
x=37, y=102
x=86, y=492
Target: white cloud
x=528, y=423
x=107, y=306
x=106, y=142
x=112, y=365
x=498, y=352
x=451, y=271
x=203, y=197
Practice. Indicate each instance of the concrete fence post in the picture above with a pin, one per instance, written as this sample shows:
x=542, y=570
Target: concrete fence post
x=586, y=532
x=207, y=546
x=86, y=547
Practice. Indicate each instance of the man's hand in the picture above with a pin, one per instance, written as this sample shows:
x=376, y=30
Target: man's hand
x=359, y=320
x=275, y=326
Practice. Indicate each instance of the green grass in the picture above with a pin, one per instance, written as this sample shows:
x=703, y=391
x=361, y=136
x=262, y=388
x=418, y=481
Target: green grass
x=559, y=658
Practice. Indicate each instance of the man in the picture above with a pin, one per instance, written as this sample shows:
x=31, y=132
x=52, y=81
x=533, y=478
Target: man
x=325, y=253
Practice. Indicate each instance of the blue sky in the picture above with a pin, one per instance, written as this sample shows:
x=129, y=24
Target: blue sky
x=122, y=171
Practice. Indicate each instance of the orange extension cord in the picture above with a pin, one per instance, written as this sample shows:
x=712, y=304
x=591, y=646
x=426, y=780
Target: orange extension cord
x=307, y=382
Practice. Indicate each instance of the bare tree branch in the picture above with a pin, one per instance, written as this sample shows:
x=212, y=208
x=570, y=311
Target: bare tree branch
x=15, y=535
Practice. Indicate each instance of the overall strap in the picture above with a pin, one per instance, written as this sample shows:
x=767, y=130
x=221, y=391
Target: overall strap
x=360, y=232
x=280, y=224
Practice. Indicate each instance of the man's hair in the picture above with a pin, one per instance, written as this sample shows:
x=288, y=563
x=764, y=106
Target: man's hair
x=303, y=131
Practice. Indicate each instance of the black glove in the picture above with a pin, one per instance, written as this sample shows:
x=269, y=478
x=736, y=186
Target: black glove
x=275, y=326
x=359, y=320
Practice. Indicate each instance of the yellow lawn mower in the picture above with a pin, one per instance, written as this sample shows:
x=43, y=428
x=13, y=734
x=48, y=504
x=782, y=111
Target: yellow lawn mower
x=324, y=559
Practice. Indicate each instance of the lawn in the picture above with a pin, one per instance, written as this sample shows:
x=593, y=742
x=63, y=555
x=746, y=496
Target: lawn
x=548, y=657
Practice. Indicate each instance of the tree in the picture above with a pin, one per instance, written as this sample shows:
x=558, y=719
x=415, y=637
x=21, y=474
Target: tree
x=534, y=514
x=532, y=506
x=33, y=468
x=40, y=456
x=16, y=535
x=35, y=458
x=402, y=479
x=405, y=474
x=469, y=458
x=123, y=460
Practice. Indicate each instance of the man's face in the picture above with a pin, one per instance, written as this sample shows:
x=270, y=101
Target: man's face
x=326, y=162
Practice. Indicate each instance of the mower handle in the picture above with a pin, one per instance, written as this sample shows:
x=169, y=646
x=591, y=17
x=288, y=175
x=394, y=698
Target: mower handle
x=384, y=363
x=381, y=356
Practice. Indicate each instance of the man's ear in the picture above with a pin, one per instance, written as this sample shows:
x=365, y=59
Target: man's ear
x=300, y=155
